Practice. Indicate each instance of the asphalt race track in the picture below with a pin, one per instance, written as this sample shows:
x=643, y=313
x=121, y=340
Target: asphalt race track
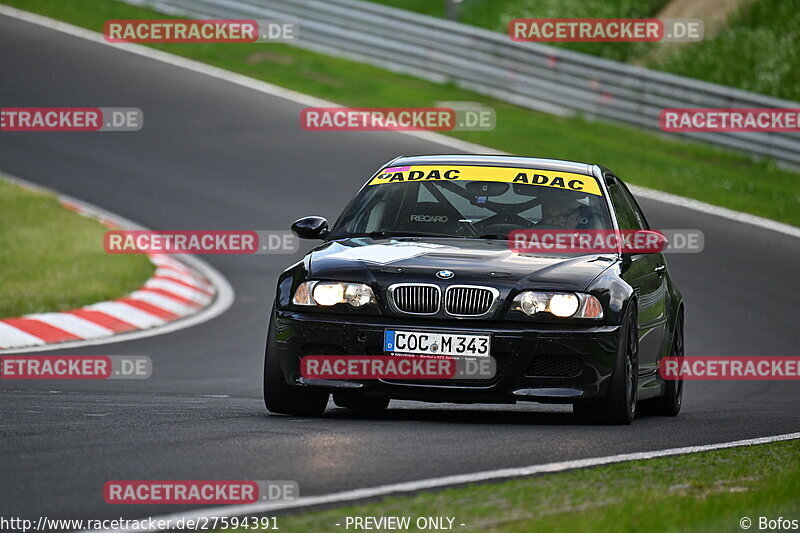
x=213, y=155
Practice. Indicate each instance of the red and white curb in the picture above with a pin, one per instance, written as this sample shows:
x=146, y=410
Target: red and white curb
x=181, y=293
x=173, y=292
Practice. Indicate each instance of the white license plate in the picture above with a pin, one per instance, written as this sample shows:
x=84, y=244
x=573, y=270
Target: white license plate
x=426, y=343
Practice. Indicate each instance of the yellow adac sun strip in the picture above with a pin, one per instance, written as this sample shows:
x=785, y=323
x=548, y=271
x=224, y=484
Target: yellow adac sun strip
x=543, y=178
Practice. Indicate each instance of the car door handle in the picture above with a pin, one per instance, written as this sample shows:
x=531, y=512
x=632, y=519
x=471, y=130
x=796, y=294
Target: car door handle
x=660, y=269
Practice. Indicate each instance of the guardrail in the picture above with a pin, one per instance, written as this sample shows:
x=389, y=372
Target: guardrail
x=531, y=75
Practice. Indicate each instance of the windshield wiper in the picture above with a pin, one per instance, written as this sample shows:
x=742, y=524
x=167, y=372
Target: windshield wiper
x=387, y=234
x=488, y=236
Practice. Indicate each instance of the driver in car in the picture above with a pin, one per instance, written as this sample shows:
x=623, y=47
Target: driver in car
x=561, y=212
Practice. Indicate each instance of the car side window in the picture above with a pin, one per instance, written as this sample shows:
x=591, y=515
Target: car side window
x=637, y=212
x=627, y=213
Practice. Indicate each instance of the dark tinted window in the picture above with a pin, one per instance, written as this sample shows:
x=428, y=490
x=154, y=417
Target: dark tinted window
x=637, y=212
x=628, y=215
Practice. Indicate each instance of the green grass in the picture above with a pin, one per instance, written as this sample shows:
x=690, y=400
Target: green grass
x=495, y=15
x=755, y=51
x=703, y=493
x=690, y=169
x=53, y=259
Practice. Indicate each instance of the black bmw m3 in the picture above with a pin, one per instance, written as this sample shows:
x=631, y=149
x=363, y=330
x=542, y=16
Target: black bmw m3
x=421, y=262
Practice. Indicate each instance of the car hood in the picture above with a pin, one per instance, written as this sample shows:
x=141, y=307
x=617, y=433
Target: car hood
x=473, y=261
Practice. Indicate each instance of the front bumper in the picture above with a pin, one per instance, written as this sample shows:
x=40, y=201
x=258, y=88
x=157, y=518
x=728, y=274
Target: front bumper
x=536, y=362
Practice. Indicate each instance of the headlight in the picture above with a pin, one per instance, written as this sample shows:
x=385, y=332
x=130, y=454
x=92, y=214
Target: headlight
x=327, y=293
x=560, y=304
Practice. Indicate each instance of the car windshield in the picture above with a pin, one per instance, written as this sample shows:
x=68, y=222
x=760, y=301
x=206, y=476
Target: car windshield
x=472, y=202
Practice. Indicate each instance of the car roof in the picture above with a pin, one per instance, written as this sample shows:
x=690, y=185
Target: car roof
x=495, y=160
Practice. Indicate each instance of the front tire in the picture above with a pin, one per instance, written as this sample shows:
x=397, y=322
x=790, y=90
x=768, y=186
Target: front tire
x=619, y=405
x=670, y=403
x=279, y=396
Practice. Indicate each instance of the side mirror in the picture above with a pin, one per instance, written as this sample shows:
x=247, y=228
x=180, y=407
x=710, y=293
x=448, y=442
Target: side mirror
x=311, y=228
x=644, y=242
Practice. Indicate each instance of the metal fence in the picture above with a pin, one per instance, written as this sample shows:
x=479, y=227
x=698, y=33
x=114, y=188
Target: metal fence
x=531, y=75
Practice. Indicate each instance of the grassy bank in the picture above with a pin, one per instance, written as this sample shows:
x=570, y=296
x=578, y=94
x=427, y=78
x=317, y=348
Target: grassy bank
x=699, y=493
x=53, y=259
x=690, y=169
x=495, y=15
x=755, y=49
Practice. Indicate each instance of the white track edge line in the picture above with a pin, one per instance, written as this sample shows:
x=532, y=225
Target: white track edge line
x=224, y=297
x=288, y=94
x=441, y=482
